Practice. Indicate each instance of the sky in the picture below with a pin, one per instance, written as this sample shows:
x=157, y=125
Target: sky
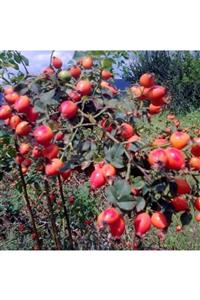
x=38, y=60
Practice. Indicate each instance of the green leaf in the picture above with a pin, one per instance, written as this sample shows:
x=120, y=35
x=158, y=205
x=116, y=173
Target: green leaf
x=97, y=53
x=17, y=58
x=119, y=194
x=106, y=63
x=47, y=98
x=34, y=88
x=114, y=155
x=140, y=204
x=127, y=206
x=25, y=59
x=39, y=106
x=111, y=196
x=138, y=183
x=186, y=218
x=122, y=187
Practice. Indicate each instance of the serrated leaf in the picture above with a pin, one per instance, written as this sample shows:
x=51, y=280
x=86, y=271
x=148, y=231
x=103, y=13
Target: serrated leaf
x=145, y=190
x=39, y=106
x=127, y=206
x=114, y=155
x=110, y=194
x=47, y=97
x=119, y=194
x=122, y=187
x=140, y=204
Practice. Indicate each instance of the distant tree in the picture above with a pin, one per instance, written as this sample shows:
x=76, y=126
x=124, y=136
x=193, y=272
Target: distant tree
x=13, y=67
x=178, y=70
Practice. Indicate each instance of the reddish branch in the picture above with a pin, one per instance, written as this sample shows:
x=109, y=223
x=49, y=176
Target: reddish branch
x=28, y=203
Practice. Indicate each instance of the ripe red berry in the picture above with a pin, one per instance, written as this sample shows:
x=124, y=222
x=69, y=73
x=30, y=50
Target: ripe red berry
x=142, y=223
x=31, y=114
x=5, y=112
x=51, y=151
x=75, y=72
x=23, y=128
x=22, y=104
x=87, y=62
x=157, y=156
x=118, y=228
x=126, y=131
x=74, y=96
x=12, y=98
x=197, y=203
x=57, y=62
x=71, y=199
x=43, y=134
x=97, y=179
x=14, y=121
x=68, y=109
x=183, y=186
x=180, y=204
x=53, y=168
x=66, y=174
x=24, y=148
x=52, y=197
x=178, y=228
x=159, y=220
x=147, y=80
x=105, y=74
x=59, y=136
x=84, y=87
x=36, y=152
x=48, y=72
x=197, y=217
x=175, y=159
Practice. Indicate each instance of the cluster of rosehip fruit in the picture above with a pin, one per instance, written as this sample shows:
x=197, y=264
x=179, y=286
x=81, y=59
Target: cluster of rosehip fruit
x=148, y=90
x=168, y=154
x=20, y=115
x=173, y=157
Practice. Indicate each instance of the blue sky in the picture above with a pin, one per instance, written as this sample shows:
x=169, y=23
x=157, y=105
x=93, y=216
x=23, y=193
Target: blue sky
x=38, y=60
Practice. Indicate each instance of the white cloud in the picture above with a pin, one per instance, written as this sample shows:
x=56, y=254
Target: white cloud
x=38, y=60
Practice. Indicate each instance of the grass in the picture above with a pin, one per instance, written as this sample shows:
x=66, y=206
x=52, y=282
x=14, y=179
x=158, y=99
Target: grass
x=189, y=237
x=159, y=123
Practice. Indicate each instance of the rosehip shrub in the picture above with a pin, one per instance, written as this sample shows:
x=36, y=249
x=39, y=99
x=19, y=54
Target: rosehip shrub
x=72, y=126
